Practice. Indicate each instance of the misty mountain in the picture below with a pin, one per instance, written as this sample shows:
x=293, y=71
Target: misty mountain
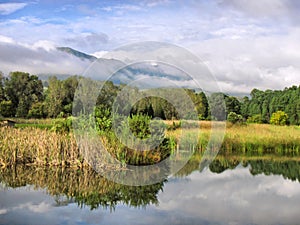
x=76, y=53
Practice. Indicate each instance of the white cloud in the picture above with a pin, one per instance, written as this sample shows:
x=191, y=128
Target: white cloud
x=261, y=8
x=44, y=44
x=243, y=50
x=153, y=3
x=39, y=58
x=87, y=41
x=264, y=62
x=8, y=8
x=99, y=54
x=5, y=39
x=3, y=211
x=232, y=197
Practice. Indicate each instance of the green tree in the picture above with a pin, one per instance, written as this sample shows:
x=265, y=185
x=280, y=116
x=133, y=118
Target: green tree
x=23, y=89
x=2, y=94
x=55, y=96
x=245, y=107
x=37, y=110
x=6, y=108
x=202, y=105
x=217, y=106
x=267, y=102
x=234, y=118
x=279, y=118
x=232, y=104
x=69, y=87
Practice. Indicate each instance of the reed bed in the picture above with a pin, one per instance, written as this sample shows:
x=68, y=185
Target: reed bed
x=251, y=138
x=36, y=146
x=44, y=147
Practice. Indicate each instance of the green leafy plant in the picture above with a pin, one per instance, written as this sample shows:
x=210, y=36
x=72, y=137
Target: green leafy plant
x=234, y=118
x=279, y=118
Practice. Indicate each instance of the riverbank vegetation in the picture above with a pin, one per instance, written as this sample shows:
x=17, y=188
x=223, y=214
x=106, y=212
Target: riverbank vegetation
x=34, y=146
x=43, y=134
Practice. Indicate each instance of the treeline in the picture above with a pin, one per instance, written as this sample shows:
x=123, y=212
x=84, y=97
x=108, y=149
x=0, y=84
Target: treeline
x=24, y=95
x=263, y=104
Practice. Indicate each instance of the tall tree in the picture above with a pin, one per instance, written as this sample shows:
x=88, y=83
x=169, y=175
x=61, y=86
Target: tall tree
x=2, y=94
x=23, y=89
x=55, y=96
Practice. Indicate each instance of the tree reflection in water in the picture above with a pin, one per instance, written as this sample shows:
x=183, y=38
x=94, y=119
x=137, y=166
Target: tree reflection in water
x=87, y=188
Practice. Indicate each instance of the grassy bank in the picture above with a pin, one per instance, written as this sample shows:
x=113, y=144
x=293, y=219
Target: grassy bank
x=252, y=138
x=37, y=146
x=45, y=147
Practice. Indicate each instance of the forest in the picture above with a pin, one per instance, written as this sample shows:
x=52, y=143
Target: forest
x=23, y=95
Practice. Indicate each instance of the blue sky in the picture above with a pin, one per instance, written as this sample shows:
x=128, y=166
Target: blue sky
x=246, y=44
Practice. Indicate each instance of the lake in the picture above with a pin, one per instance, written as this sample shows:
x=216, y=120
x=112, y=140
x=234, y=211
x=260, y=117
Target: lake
x=258, y=190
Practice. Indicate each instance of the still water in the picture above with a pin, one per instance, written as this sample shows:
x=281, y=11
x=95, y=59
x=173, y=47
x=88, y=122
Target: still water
x=230, y=191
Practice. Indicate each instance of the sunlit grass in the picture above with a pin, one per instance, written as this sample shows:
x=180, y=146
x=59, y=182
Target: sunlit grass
x=260, y=138
x=36, y=146
x=45, y=147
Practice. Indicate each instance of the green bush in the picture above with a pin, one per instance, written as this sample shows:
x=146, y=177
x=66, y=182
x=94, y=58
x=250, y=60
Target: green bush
x=37, y=110
x=103, y=119
x=6, y=109
x=279, y=118
x=255, y=119
x=140, y=125
x=234, y=118
x=62, y=125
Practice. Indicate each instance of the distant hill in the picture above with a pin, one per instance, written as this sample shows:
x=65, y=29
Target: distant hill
x=76, y=53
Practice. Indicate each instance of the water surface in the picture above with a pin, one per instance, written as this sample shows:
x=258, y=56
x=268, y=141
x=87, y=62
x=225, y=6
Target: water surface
x=230, y=191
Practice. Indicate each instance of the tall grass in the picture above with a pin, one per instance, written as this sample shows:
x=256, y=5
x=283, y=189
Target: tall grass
x=252, y=138
x=263, y=139
x=45, y=147
x=36, y=146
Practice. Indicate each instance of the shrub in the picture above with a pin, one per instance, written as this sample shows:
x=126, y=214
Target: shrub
x=37, y=110
x=234, y=118
x=62, y=125
x=6, y=108
x=103, y=119
x=255, y=119
x=279, y=118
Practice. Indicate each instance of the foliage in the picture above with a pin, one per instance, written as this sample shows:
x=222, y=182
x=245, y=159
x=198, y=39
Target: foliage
x=279, y=118
x=234, y=118
x=59, y=96
x=23, y=90
x=37, y=110
x=63, y=125
x=6, y=108
x=217, y=107
x=103, y=118
x=257, y=118
x=137, y=131
x=2, y=92
x=22, y=95
x=140, y=126
x=40, y=126
x=265, y=103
